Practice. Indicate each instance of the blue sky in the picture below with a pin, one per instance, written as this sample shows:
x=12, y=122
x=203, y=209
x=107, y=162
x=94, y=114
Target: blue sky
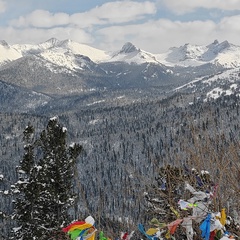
x=152, y=25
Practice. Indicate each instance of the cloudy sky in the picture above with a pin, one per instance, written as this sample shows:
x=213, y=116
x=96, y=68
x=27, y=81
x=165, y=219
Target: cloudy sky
x=152, y=25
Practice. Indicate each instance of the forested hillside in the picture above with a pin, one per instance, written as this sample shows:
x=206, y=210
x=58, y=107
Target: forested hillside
x=125, y=146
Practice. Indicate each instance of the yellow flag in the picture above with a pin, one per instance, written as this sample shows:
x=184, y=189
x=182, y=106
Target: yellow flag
x=223, y=217
x=168, y=236
x=151, y=231
x=175, y=212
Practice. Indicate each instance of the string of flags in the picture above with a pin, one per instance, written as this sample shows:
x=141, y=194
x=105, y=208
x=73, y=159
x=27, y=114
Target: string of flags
x=81, y=230
x=211, y=225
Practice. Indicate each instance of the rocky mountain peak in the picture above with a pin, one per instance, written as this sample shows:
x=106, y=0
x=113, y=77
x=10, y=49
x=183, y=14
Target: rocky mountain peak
x=215, y=48
x=52, y=42
x=4, y=43
x=128, y=48
x=224, y=45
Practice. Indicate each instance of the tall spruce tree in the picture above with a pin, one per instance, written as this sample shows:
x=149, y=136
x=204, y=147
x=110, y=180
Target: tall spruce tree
x=45, y=183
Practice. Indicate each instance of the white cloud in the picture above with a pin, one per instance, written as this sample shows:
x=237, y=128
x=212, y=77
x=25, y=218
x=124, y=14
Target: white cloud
x=2, y=6
x=153, y=36
x=114, y=13
x=158, y=36
x=230, y=24
x=184, y=6
x=108, y=13
x=123, y=11
x=41, y=18
x=37, y=35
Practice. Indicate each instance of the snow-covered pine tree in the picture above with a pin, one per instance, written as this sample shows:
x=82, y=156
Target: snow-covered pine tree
x=26, y=187
x=45, y=183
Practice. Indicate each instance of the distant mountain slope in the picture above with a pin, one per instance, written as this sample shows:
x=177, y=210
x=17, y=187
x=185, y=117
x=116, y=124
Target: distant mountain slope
x=214, y=86
x=223, y=53
x=17, y=99
x=67, y=68
x=65, y=46
x=34, y=73
x=131, y=54
x=64, y=52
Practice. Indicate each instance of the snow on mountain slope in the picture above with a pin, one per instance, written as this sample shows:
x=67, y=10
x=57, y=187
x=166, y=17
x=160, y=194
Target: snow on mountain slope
x=67, y=52
x=187, y=55
x=94, y=54
x=229, y=84
x=27, y=49
x=212, y=50
x=218, y=91
x=231, y=75
x=213, y=86
x=61, y=47
x=230, y=57
x=60, y=58
x=223, y=53
x=7, y=53
x=130, y=54
x=50, y=43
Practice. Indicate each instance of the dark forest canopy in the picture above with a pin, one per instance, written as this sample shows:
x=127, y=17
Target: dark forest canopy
x=125, y=146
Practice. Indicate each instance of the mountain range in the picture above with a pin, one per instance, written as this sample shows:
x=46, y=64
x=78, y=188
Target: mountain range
x=66, y=54
x=64, y=69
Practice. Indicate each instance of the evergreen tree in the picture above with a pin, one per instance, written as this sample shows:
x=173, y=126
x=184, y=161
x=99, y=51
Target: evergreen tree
x=45, y=183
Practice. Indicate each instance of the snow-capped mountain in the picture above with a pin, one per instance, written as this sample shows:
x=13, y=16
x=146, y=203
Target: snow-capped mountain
x=217, y=53
x=66, y=54
x=66, y=67
x=131, y=54
x=223, y=53
x=56, y=45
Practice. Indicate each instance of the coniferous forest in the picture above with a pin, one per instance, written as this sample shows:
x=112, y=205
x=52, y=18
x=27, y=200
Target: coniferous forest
x=134, y=163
